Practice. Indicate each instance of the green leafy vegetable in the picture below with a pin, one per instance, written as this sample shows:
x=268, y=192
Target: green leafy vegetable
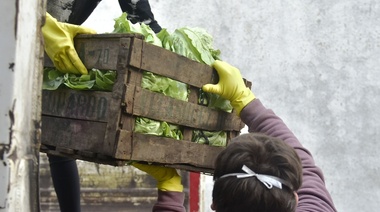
x=95, y=80
x=159, y=128
x=52, y=79
x=210, y=138
x=123, y=25
x=83, y=82
x=104, y=80
x=193, y=43
x=215, y=101
x=165, y=86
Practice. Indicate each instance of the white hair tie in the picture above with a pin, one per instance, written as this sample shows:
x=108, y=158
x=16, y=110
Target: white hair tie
x=268, y=180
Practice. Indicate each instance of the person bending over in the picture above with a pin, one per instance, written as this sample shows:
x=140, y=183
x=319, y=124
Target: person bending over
x=265, y=170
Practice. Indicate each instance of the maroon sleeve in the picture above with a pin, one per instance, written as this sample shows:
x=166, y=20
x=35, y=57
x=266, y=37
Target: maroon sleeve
x=313, y=195
x=169, y=201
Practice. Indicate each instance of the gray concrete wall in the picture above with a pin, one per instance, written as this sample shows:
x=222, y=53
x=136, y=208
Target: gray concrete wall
x=315, y=63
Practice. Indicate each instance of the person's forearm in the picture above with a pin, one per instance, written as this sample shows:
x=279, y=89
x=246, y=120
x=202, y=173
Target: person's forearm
x=262, y=120
x=169, y=201
x=313, y=194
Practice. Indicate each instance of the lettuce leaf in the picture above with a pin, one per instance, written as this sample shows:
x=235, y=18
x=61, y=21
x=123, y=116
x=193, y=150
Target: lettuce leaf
x=165, y=86
x=101, y=80
x=83, y=82
x=193, y=43
x=52, y=79
x=158, y=128
x=104, y=80
x=218, y=138
x=123, y=25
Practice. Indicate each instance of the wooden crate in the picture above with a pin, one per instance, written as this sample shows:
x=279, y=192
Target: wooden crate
x=99, y=126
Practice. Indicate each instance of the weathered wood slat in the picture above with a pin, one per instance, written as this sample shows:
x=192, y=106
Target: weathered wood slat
x=86, y=105
x=74, y=133
x=96, y=158
x=159, y=107
x=166, y=63
x=114, y=118
x=170, y=151
x=124, y=146
x=98, y=51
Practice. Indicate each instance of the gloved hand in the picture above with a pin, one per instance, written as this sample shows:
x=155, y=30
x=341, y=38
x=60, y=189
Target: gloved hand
x=59, y=45
x=230, y=86
x=167, y=178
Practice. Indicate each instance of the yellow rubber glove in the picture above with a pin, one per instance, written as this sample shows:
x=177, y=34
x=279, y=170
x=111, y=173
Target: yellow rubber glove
x=59, y=45
x=167, y=178
x=230, y=86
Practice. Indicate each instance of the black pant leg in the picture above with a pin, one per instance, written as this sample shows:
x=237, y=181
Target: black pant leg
x=64, y=173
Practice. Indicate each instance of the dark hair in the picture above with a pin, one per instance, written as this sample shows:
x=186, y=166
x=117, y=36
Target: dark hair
x=263, y=155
